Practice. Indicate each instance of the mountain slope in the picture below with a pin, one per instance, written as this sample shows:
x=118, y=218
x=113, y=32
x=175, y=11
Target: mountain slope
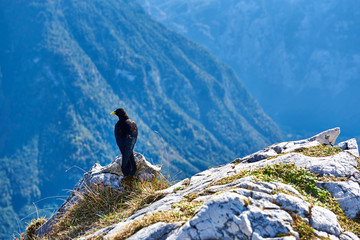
x=299, y=59
x=65, y=65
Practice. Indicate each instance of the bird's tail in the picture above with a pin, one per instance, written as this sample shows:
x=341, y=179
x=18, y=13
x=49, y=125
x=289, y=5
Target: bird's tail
x=132, y=164
x=129, y=165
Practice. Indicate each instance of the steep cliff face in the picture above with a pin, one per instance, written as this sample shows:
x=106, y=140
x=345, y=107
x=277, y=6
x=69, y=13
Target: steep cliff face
x=307, y=189
x=65, y=65
x=305, y=54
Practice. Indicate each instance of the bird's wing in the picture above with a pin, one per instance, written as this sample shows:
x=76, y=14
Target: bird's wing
x=132, y=136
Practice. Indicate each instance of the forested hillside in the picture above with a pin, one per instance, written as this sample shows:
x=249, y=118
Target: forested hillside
x=65, y=65
x=300, y=59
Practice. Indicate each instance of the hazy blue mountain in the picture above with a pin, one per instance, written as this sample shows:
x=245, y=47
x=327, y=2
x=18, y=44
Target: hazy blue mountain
x=300, y=59
x=65, y=65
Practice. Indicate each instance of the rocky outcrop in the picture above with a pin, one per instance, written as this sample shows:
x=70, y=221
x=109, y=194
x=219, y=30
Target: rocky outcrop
x=234, y=204
x=327, y=138
x=109, y=176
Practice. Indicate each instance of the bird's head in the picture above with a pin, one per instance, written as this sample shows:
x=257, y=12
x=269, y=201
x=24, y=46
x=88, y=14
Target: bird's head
x=121, y=113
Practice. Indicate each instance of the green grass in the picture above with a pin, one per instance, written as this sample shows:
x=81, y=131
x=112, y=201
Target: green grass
x=302, y=178
x=305, y=182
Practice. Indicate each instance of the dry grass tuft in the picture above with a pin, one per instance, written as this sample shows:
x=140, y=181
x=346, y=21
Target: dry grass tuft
x=230, y=179
x=180, y=212
x=31, y=228
x=319, y=151
x=100, y=206
x=305, y=230
x=145, y=221
x=192, y=196
x=316, y=151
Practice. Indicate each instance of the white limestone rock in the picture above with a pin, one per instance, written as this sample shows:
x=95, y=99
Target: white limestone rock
x=260, y=155
x=348, y=236
x=326, y=138
x=98, y=234
x=347, y=194
x=108, y=179
x=214, y=219
x=263, y=203
x=157, y=231
x=260, y=195
x=254, y=186
x=294, y=204
x=268, y=223
x=202, y=198
x=324, y=220
x=227, y=216
x=339, y=165
x=243, y=192
x=349, y=146
x=321, y=234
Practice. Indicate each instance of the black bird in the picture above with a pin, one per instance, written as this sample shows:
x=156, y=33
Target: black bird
x=126, y=134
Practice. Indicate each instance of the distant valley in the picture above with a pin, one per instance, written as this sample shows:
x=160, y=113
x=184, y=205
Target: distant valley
x=300, y=59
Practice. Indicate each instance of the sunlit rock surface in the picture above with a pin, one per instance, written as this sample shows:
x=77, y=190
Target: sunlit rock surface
x=245, y=208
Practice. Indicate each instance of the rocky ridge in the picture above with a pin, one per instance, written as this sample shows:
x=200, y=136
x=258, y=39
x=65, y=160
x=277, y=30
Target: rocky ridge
x=240, y=200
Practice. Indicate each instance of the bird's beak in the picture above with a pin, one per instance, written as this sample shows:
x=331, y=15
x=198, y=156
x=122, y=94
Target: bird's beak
x=112, y=113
